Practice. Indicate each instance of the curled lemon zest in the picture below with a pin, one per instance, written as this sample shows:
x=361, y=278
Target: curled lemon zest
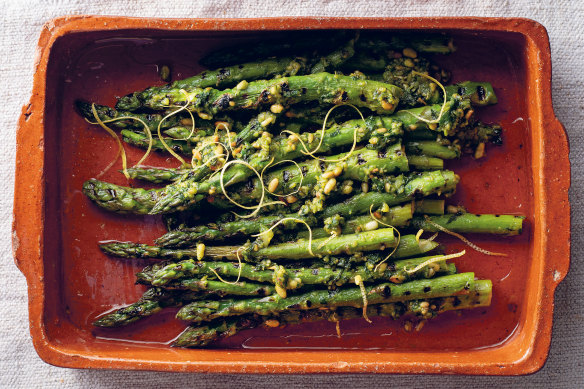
x=390, y=226
x=359, y=283
x=238, y=274
x=432, y=260
x=333, y=235
x=311, y=153
x=255, y=208
x=193, y=128
x=297, y=221
x=215, y=157
x=224, y=126
x=462, y=238
x=146, y=128
x=432, y=237
x=278, y=163
x=164, y=144
x=337, y=322
x=418, y=234
x=443, y=104
x=109, y=166
x=121, y=150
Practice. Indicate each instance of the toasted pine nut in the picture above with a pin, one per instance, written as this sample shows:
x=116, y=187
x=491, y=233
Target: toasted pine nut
x=273, y=185
x=330, y=185
x=272, y=323
x=276, y=108
x=409, y=52
x=370, y=226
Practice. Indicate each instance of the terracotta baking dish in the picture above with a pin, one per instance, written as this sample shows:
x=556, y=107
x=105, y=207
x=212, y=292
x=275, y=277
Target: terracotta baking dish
x=70, y=281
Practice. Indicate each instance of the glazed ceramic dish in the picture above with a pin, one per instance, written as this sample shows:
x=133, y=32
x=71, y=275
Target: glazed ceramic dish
x=70, y=282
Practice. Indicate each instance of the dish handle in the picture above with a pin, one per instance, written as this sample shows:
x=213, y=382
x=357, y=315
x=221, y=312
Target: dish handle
x=557, y=180
x=27, y=230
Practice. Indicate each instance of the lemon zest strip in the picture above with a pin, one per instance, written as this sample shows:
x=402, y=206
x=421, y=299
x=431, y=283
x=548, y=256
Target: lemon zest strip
x=462, y=238
x=387, y=225
x=238, y=275
x=311, y=153
x=278, y=163
x=359, y=283
x=432, y=260
x=297, y=221
x=441, y=108
x=118, y=141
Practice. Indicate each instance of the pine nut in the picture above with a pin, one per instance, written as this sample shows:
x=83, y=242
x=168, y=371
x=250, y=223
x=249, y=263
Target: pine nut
x=330, y=185
x=410, y=53
x=273, y=185
x=200, y=251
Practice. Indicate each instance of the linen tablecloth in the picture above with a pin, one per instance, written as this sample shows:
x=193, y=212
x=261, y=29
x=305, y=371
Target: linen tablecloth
x=21, y=23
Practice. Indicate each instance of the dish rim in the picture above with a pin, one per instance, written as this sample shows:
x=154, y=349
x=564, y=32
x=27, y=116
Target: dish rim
x=525, y=353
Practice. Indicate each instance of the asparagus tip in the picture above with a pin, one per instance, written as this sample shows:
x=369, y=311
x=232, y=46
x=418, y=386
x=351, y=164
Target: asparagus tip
x=128, y=103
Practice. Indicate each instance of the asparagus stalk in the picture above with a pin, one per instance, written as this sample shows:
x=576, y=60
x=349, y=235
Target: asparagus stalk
x=308, y=43
x=199, y=311
x=142, y=141
x=430, y=44
x=121, y=199
x=423, y=162
x=358, y=166
x=471, y=223
x=219, y=78
x=181, y=133
x=344, y=244
x=175, y=126
x=231, y=75
x=201, y=335
x=364, y=62
x=156, y=175
x=365, y=241
x=396, y=216
x=221, y=231
x=479, y=93
x=433, y=149
x=335, y=59
x=509, y=225
x=293, y=278
x=222, y=289
x=151, y=302
x=156, y=299
x=140, y=201
x=413, y=186
x=429, y=207
x=107, y=113
x=324, y=87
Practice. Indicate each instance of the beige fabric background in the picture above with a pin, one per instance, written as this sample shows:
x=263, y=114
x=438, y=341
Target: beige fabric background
x=20, y=24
